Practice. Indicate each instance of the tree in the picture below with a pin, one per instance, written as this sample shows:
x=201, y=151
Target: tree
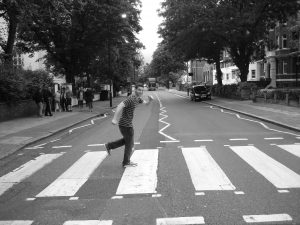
x=237, y=25
x=11, y=12
x=188, y=37
x=164, y=62
x=75, y=33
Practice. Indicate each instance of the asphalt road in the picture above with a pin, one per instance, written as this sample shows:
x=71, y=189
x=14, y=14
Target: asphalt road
x=197, y=165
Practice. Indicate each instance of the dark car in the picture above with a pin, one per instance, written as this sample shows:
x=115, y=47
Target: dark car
x=200, y=92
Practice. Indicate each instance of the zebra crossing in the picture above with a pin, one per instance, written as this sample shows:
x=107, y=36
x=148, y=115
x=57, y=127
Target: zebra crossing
x=205, y=175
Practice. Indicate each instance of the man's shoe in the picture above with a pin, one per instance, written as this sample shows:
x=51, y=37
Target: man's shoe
x=130, y=164
x=107, y=149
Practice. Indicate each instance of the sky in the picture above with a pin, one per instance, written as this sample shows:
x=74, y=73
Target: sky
x=150, y=22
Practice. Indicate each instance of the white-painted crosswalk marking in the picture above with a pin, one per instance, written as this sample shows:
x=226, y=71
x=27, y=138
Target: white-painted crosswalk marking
x=267, y=218
x=16, y=222
x=88, y=222
x=275, y=172
x=205, y=172
x=180, y=220
x=26, y=170
x=293, y=149
x=141, y=179
x=70, y=181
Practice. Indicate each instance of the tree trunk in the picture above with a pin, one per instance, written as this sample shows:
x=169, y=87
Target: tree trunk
x=12, y=30
x=218, y=69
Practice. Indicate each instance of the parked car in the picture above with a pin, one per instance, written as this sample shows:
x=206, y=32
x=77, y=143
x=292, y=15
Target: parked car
x=200, y=92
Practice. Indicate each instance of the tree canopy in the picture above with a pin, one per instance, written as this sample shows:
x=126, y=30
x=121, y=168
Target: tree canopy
x=202, y=28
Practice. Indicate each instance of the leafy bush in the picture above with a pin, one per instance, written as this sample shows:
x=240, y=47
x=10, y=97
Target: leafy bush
x=18, y=84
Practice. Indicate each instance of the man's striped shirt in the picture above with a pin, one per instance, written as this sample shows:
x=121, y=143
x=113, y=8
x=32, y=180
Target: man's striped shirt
x=127, y=114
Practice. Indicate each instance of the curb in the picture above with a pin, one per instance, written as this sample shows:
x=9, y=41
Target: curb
x=256, y=117
x=37, y=139
x=252, y=115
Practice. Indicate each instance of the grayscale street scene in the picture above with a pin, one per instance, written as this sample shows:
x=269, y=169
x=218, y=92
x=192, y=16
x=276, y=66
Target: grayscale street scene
x=144, y=112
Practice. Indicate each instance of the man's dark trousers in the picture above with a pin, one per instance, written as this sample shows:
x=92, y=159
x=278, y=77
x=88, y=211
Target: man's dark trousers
x=127, y=140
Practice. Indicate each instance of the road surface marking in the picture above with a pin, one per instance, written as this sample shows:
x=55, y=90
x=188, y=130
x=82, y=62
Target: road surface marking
x=293, y=149
x=73, y=198
x=25, y=170
x=65, y=146
x=278, y=174
x=205, y=172
x=71, y=180
x=16, y=222
x=156, y=195
x=70, y=131
x=238, y=139
x=239, y=192
x=274, y=138
x=267, y=218
x=141, y=179
x=30, y=199
x=174, y=141
x=88, y=222
x=180, y=220
x=283, y=191
x=94, y=145
x=199, y=193
x=204, y=140
x=117, y=197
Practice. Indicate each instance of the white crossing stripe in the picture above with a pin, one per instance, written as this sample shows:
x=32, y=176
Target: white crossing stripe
x=71, y=180
x=293, y=149
x=278, y=174
x=88, y=222
x=267, y=218
x=180, y=220
x=16, y=222
x=141, y=179
x=25, y=171
x=205, y=172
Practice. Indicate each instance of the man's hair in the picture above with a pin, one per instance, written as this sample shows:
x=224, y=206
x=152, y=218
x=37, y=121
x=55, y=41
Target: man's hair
x=139, y=85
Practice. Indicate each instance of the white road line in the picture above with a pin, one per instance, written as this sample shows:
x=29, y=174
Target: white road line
x=180, y=220
x=238, y=139
x=204, y=140
x=274, y=138
x=70, y=131
x=173, y=141
x=94, y=145
x=88, y=222
x=278, y=174
x=26, y=170
x=16, y=222
x=262, y=124
x=71, y=180
x=205, y=172
x=293, y=149
x=267, y=218
x=141, y=179
x=65, y=146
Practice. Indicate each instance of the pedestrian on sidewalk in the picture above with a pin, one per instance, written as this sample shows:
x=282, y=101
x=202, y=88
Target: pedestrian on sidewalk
x=38, y=98
x=80, y=97
x=126, y=110
x=57, y=101
x=89, y=96
x=68, y=99
x=47, y=96
x=63, y=103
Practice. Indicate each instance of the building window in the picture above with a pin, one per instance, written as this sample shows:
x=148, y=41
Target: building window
x=277, y=41
x=284, y=41
x=227, y=76
x=253, y=75
x=284, y=67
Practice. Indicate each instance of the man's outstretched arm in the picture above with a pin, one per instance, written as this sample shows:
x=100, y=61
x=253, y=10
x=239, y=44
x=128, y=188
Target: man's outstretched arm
x=150, y=99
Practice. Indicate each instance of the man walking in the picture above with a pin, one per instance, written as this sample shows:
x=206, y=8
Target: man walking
x=126, y=110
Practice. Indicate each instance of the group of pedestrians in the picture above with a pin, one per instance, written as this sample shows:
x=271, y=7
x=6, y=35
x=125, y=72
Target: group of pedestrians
x=49, y=101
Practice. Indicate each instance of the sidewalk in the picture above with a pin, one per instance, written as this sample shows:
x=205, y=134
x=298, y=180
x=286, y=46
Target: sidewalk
x=18, y=133
x=284, y=116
